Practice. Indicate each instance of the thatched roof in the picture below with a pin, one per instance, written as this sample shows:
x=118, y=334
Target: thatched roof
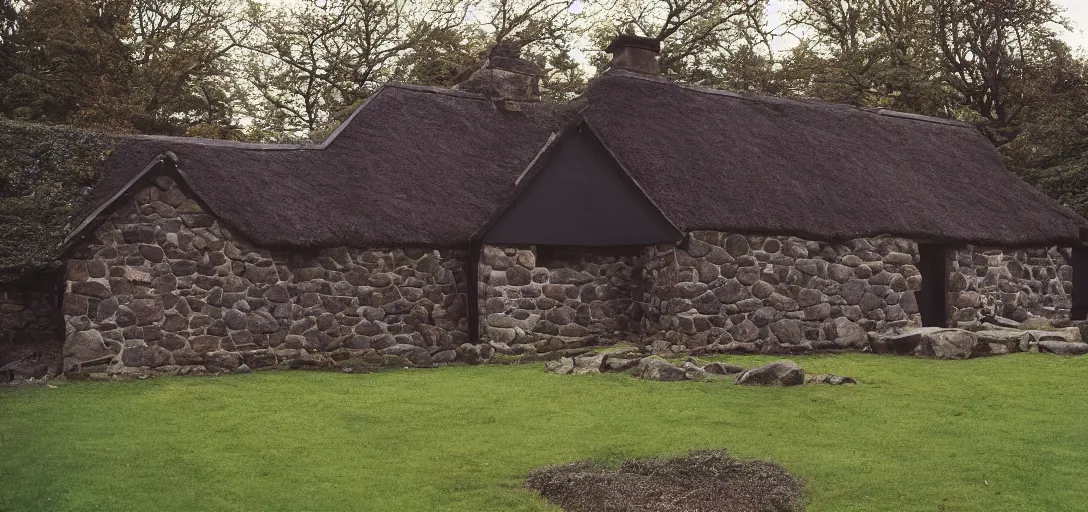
x=718, y=160
x=417, y=165
x=413, y=165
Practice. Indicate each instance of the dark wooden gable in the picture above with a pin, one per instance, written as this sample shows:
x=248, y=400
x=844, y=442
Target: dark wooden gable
x=580, y=195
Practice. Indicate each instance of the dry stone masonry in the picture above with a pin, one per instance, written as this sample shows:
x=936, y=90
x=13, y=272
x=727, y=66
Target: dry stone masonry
x=721, y=292
x=161, y=284
x=163, y=287
x=1015, y=284
x=549, y=305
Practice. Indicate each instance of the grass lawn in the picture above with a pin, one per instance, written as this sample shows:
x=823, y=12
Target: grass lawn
x=1006, y=433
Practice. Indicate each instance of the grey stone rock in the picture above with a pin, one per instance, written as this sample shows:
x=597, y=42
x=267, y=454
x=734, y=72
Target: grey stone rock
x=933, y=342
x=235, y=319
x=839, y=273
x=748, y=275
x=763, y=316
x=91, y=289
x=619, y=363
x=762, y=289
x=205, y=343
x=561, y=366
x=782, y=302
x=502, y=334
x=656, y=368
x=749, y=305
x=870, y=301
x=569, y=276
x=85, y=346
x=1064, y=348
x=689, y=290
x=849, y=334
x=732, y=291
x=829, y=378
x=853, y=290
x=222, y=361
x=898, y=259
x=145, y=356
x=808, y=297
x=737, y=245
x=261, y=322
x=148, y=311
x=787, y=331
x=474, y=354
x=125, y=317
x=722, y=369
x=444, y=356
x=418, y=356
x=588, y=364
x=779, y=373
x=818, y=312
x=745, y=331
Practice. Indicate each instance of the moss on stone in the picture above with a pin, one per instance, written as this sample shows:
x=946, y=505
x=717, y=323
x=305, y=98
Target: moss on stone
x=44, y=173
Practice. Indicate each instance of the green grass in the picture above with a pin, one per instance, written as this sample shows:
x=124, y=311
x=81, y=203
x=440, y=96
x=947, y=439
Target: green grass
x=1004, y=433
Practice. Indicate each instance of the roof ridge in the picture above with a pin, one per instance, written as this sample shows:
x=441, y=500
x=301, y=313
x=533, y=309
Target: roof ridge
x=761, y=98
x=202, y=141
x=446, y=91
x=292, y=146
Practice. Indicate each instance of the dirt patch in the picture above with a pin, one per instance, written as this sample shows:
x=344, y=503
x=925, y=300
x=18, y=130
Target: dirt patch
x=701, y=482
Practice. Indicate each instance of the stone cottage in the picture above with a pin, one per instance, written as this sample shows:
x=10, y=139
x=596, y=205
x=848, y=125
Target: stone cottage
x=441, y=225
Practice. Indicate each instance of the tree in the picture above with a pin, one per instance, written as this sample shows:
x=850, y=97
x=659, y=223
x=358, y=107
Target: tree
x=153, y=66
x=873, y=53
x=9, y=22
x=310, y=60
x=997, y=55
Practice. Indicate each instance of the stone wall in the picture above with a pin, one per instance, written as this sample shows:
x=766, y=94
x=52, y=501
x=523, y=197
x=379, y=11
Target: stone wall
x=1016, y=284
x=574, y=298
x=31, y=330
x=719, y=292
x=161, y=284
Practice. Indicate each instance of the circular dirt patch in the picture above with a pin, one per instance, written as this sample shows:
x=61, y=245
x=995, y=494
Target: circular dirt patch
x=701, y=482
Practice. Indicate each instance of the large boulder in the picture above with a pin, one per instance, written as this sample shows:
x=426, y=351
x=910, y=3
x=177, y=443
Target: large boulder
x=619, y=364
x=951, y=343
x=1063, y=348
x=561, y=366
x=86, y=347
x=656, y=368
x=936, y=342
x=778, y=373
x=588, y=364
x=997, y=341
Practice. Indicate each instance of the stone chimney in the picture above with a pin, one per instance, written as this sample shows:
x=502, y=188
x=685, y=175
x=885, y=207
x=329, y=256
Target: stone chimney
x=505, y=75
x=635, y=53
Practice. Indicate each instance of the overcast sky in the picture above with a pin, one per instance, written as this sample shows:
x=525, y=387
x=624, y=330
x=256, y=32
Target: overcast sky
x=1075, y=10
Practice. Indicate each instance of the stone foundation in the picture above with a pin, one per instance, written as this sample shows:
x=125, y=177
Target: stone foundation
x=1015, y=284
x=162, y=284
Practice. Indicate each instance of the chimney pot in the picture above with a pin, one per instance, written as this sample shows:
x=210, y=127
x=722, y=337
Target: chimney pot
x=635, y=53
